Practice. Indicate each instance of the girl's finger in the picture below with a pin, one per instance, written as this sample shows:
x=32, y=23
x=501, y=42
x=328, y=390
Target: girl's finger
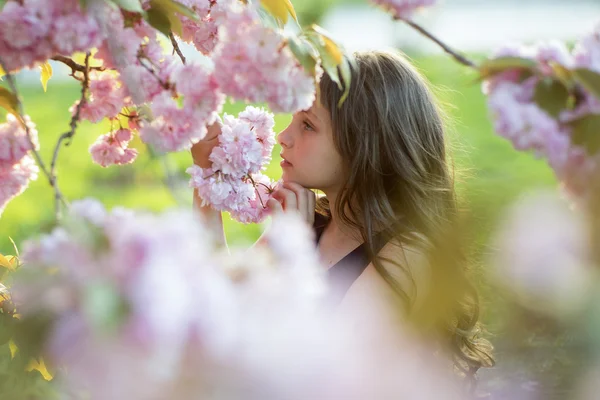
x=312, y=205
x=301, y=197
x=274, y=206
x=290, y=202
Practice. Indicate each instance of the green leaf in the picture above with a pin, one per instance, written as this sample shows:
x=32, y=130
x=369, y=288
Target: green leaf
x=330, y=54
x=162, y=15
x=14, y=246
x=590, y=80
x=2, y=3
x=331, y=47
x=346, y=71
x=586, y=133
x=493, y=66
x=305, y=53
x=130, y=5
x=159, y=20
x=9, y=101
x=564, y=75
x=280, y=9
x=551, y=95
x=46, y=74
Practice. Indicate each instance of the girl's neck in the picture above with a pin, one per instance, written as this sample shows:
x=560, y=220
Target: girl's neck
x=336, y=227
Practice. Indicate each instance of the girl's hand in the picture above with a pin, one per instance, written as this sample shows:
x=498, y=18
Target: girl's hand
x=201, y=150
x=292, y=197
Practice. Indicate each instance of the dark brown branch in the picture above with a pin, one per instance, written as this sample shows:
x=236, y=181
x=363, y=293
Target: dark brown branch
x=176, y=47
x=73, y=124
x=458, y=57
x=75, y=67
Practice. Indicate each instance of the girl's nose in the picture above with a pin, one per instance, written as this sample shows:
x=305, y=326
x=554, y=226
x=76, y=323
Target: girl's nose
x=285, y=138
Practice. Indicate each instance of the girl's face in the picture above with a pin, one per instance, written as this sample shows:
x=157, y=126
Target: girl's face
x=309, y=155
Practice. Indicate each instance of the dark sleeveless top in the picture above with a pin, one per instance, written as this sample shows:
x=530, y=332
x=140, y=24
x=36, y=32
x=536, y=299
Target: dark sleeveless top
x=345, y=272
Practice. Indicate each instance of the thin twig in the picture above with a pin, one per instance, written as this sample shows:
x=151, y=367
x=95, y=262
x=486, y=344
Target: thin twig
x=73, y=124
x=256, y=190
x=176, y=47
x=458, y=57
x=162, y=83
x=36, y=154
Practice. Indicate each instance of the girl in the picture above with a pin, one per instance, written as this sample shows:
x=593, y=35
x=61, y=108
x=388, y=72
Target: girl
x=385, y=226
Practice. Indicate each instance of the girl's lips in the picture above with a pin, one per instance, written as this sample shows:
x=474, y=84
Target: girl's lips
x=284, y=162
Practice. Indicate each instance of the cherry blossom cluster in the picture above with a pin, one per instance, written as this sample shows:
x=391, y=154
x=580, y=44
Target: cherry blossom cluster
x=519, y=118
x=123, y=291
x=32, y=31
x=234, y=183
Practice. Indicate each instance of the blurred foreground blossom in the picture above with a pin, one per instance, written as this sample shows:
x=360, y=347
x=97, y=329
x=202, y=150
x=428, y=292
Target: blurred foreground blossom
x=110, y=292
x=543, y=255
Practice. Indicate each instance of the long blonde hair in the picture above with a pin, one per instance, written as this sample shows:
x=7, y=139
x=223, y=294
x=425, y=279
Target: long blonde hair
x=390, y=133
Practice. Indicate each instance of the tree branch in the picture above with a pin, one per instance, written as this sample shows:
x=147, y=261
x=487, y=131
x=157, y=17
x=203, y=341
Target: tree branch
x=73, y=124
x=176, y=47
x=75, y=67
x=458, y=57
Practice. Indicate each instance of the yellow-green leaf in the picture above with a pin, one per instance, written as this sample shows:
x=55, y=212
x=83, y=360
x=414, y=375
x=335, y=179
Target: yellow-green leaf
x=9, y=101
x=280, y=9
x=590, y=80
x=551, y=96
x=40, y=366
x=304, y=52
x=331, y=47
x=162, y=15
x=13, y=348
x=346, y=72
x=563, y=75
x=586, y=132
x=46, y=74
x=157, y=19
x=329, y=60
x=493, y=66
x=8, y=262
x=14, y=245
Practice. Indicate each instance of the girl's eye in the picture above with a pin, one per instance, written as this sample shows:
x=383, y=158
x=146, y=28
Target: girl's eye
x=307, y=126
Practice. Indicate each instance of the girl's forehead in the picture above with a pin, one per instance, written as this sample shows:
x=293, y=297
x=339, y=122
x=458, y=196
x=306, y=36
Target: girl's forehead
x=318, y=111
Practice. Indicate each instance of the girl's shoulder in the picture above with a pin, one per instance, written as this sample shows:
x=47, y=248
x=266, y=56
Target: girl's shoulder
x=409, y=269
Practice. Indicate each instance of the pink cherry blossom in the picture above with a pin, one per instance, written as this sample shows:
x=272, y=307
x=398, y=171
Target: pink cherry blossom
x=106, y=97
x=111, y=149
x=234, y=182
x=31, y=31
x=587, y=51
x=253, y=63
x=21, y=26
x=14, y=142
x=75, y=32
x=140, y=84
x=15, y=179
